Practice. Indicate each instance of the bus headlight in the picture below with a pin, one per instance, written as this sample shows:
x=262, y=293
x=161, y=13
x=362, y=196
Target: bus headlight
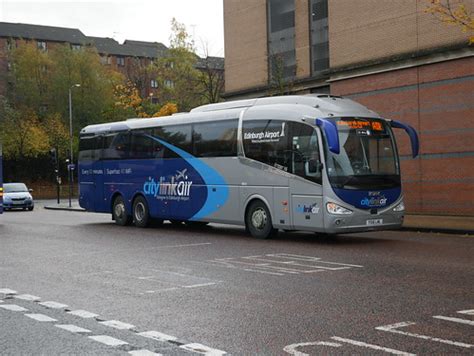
x=333, y=208
x=399, y=207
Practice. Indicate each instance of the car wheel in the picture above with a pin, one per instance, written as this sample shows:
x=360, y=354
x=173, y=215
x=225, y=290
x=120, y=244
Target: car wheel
x=119, y=214
x=31, y=208
x=259, y=221
x=141, y=214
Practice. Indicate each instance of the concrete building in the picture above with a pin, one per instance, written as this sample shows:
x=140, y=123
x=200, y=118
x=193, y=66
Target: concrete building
x=391, y=56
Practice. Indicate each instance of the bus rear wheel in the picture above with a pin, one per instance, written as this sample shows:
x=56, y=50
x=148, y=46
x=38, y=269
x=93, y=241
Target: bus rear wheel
x=141, y=214
x=258, y=221
x=119, y=213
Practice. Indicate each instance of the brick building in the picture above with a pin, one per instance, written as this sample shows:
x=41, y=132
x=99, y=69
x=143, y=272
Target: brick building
x=127, y=58
x=391, y=56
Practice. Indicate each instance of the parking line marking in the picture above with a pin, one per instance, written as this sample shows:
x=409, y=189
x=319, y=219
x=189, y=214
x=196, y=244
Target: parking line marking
x=13, y=307
x=292, y=349
x=187, y=245
x=28, y=297
x=393, y=329
x=72, y=328
x=203, y=349
x=117, y=324
x=83, y=314
x=370, y=346
x=455, y=320
x=40, y=317
x=8, y=291
x=156, y=335
x=467, y=312
x=143, y=353
x=200, y=285
x=108, y=340
x=53, y=305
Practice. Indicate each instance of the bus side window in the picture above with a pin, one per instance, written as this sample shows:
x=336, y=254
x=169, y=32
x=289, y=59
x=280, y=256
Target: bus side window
x=267, y=141
x=119, y=147
x=305, y=158
x=215, y=139
x=177, y=135
x=87, y=148
x=144, y=146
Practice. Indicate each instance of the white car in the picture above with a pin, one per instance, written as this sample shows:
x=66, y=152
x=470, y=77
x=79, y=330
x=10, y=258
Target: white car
x=17, y=196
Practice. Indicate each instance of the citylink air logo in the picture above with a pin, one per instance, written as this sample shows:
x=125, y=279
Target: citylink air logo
x=311, y=208
x=374, y=200
x=177, y=188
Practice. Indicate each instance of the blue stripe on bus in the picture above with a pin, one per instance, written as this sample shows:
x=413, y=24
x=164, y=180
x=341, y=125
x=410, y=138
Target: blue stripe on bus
x=217, y=189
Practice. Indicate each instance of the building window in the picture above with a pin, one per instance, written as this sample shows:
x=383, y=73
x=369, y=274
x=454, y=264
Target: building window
x=169, y=83
x=154, y=83
x=106, y=60
x=121, y=61
x=76, y=47
x=281, y=39
x=10, y=44
x=42, y=45
x=319, y=36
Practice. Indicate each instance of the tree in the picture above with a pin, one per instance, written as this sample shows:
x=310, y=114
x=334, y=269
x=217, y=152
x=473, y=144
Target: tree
x=30, y=77
x=178, y=78
x=128, y=100
x=211, y=77
x=167, y=110
x=454, y=13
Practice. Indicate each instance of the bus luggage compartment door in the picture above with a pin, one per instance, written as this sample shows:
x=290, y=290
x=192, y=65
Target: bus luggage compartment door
x=307, y=209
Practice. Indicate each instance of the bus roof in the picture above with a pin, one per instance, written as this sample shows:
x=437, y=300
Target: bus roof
x=324, y=105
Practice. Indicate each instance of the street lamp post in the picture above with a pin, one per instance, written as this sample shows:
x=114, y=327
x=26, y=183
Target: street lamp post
x=70, y=165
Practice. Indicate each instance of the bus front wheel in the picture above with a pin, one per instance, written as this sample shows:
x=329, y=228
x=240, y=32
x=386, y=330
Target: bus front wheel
x=141, y=215
x=119, y=214
x=258, y=221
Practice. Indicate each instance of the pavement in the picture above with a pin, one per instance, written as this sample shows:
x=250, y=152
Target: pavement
x=463, y=225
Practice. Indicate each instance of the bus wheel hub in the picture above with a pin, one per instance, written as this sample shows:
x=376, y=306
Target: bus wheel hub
x=259, y=219
x=119, y=210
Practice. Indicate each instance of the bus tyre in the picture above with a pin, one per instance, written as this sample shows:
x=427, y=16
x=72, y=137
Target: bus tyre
x=258, y=221
x=141, y=215
x=119, y=214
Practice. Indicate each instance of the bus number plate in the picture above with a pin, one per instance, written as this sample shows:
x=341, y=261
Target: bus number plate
x=373, y=222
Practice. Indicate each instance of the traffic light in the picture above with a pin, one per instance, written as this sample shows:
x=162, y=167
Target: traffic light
x=53, y=156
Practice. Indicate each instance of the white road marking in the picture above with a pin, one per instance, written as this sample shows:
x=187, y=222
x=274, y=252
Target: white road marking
x=370, y=346
x=53, y=305
x=467, y=312
x=187, y=245
x=156, y=335
x=29, y=297
x=1, y=301
x=202, y=349
x=292, y=349
x=117, y=324
x=108, y=340
x=143, y=353
x=293, y=263
x=311, y=259
x=83, y=314
x=13, y=307
x=72, y=328
x=7, y=291
x=40, y=317
x=200, y=285
x=455, y=320
x=393, y=329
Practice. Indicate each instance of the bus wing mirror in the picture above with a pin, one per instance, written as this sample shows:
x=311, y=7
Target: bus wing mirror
x=415, y=143
x=330, y=130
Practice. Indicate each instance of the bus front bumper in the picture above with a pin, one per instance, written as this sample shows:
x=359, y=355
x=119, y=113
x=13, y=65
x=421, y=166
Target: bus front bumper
x=340, y=224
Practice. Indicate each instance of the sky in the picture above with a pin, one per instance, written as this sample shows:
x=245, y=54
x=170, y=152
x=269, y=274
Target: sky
x=145, y=20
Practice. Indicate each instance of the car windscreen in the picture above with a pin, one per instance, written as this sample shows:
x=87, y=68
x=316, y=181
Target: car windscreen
x=14, y=188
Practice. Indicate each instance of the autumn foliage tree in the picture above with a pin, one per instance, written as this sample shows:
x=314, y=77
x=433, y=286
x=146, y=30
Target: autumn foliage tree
x=454, y=13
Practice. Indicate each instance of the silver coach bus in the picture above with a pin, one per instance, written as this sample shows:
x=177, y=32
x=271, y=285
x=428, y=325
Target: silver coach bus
x=317, y=163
